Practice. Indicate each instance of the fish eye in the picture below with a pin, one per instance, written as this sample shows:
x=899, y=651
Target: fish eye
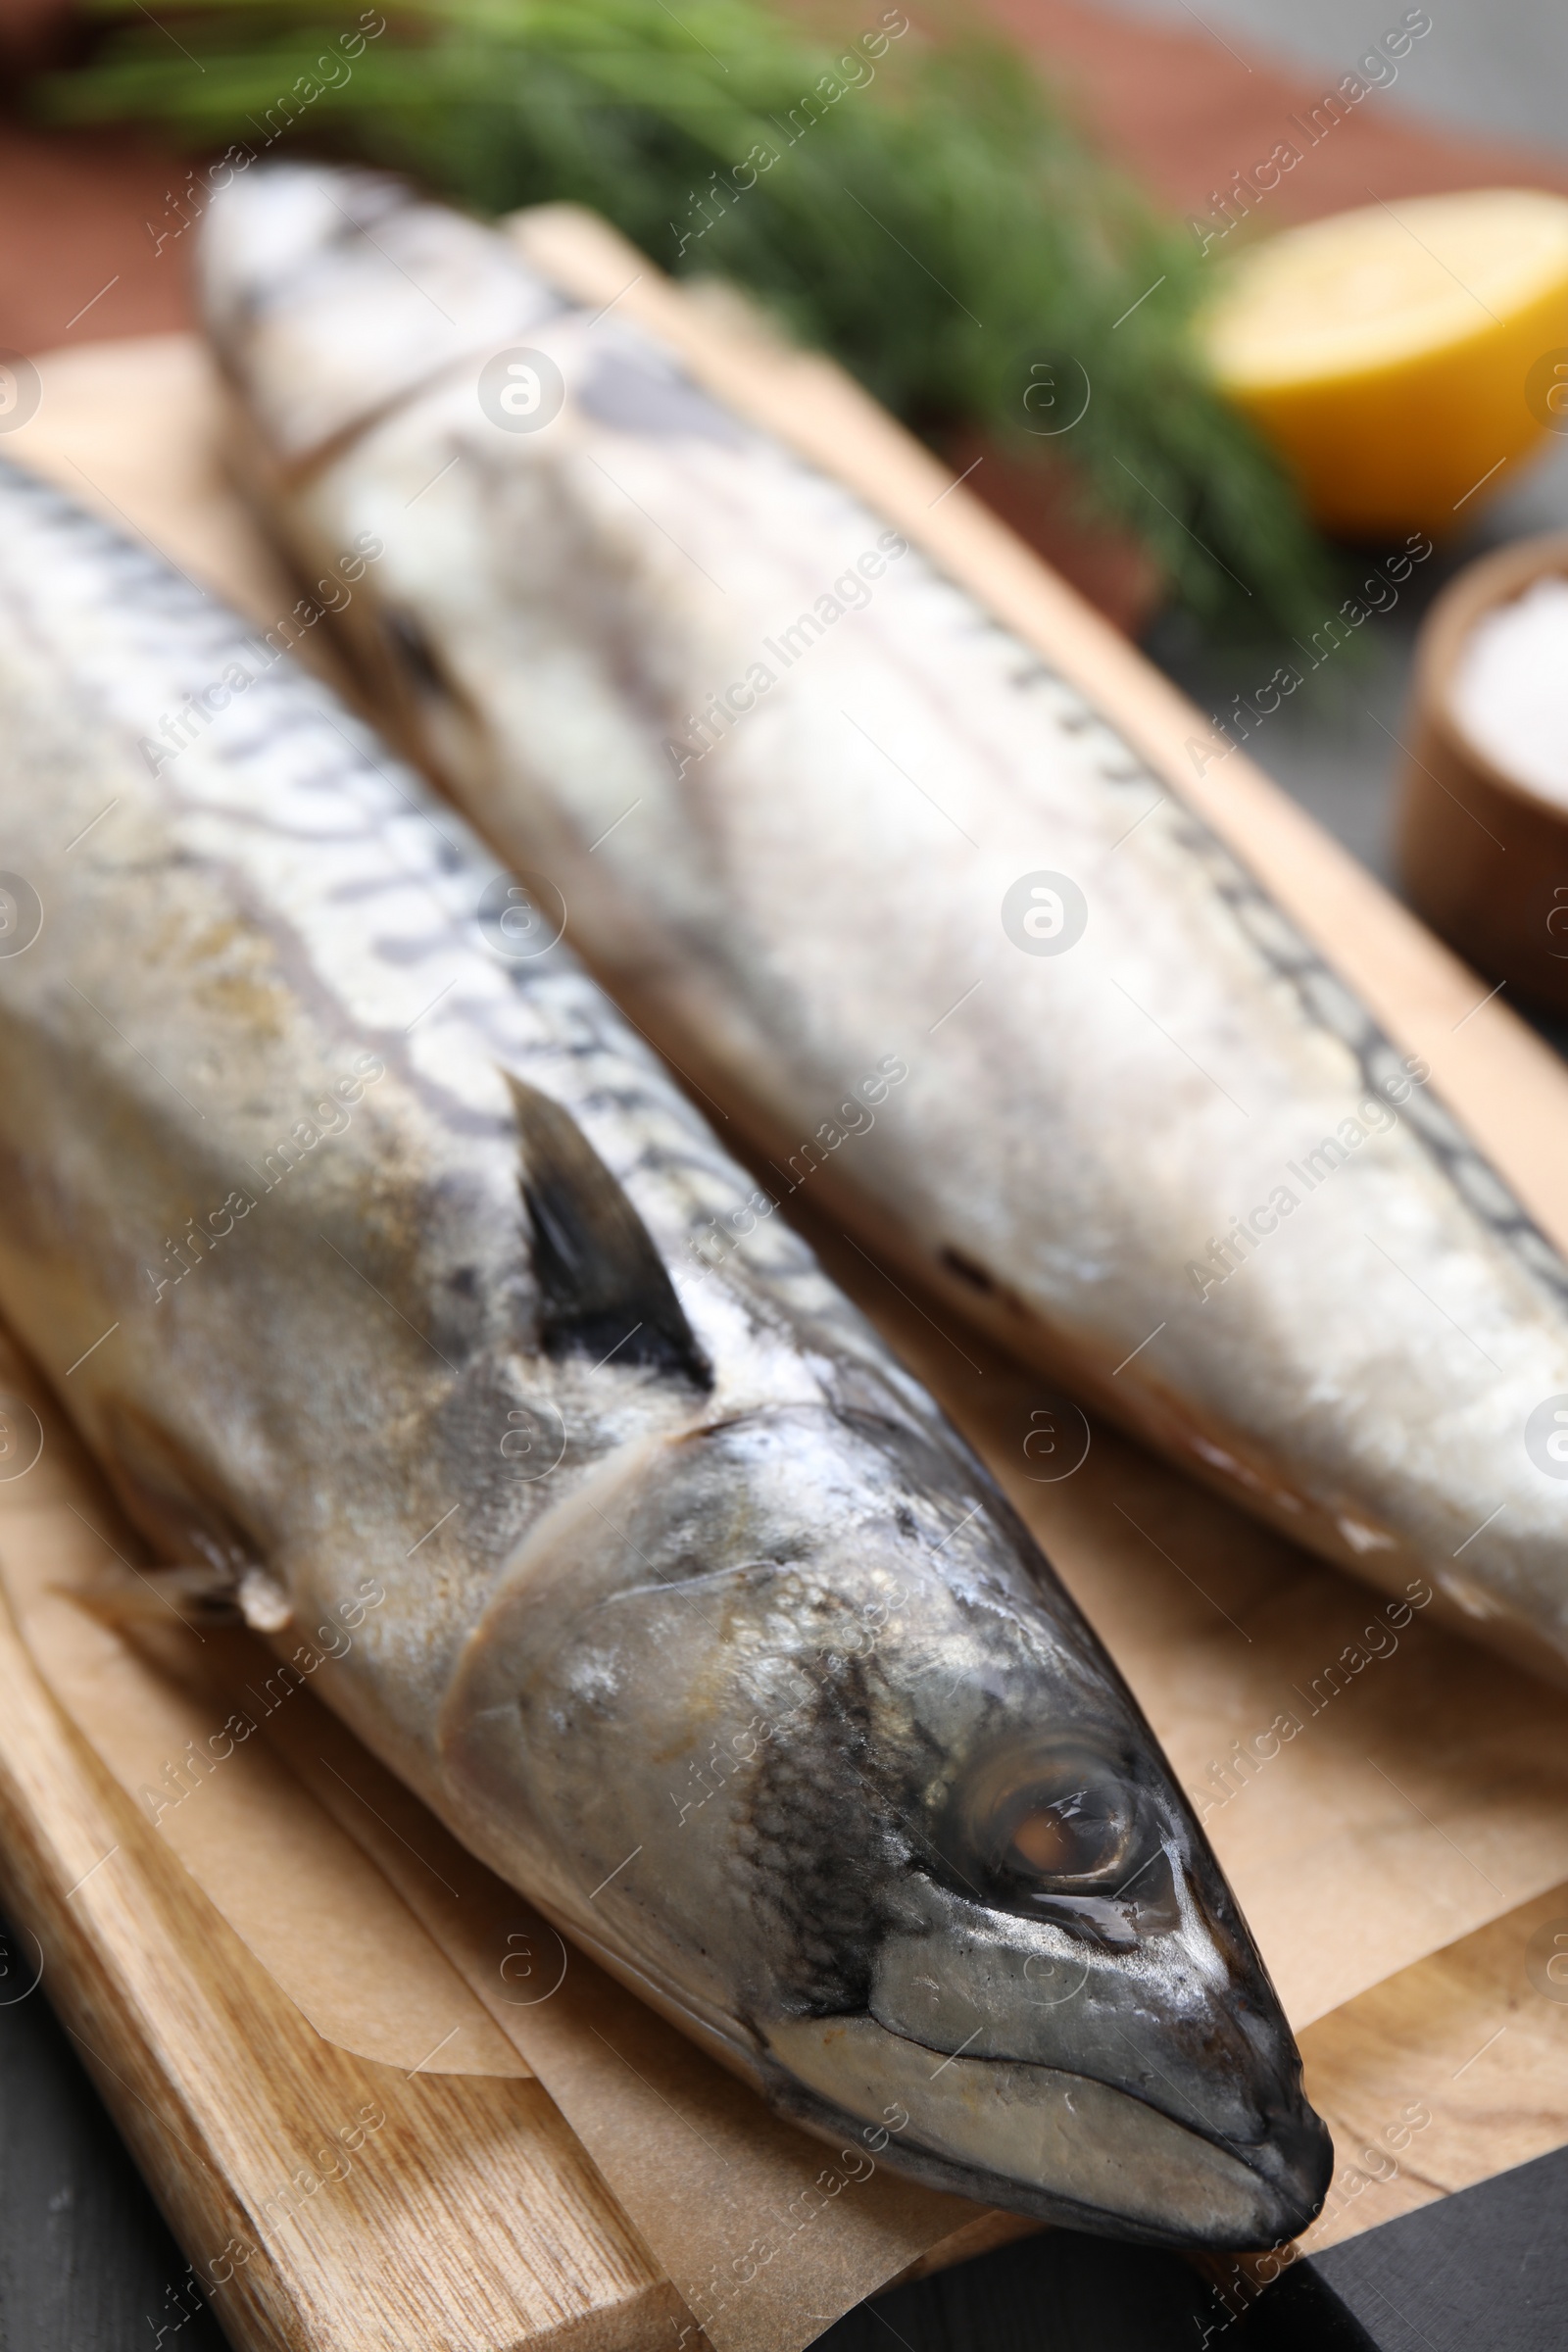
x=1034, y=1828
x=1048, y=1832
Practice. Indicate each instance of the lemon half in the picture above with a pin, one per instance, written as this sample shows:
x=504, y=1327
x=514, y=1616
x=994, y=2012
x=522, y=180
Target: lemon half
x=1399, y=358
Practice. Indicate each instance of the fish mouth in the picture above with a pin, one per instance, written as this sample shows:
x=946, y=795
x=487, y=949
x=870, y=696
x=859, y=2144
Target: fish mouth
x=1063, y=2147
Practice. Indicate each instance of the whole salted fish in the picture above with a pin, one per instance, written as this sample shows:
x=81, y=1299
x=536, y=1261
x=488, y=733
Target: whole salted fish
x=818, y=818
x=351, y=1223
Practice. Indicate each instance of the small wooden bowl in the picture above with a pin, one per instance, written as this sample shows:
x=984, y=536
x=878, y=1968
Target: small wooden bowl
x=1482, y=855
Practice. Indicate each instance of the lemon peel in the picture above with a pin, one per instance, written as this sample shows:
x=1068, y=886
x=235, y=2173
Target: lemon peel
x=1398, y=358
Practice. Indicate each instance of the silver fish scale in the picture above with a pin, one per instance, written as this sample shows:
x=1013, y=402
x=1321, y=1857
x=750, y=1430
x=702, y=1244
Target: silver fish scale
x=1326, y=1001
x=350, y=858
x=494, y=291
x=1322, y=994
x=819, y=881
x=1322, y=998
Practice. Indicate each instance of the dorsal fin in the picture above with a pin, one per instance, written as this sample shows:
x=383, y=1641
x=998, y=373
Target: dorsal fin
x=603, y=1287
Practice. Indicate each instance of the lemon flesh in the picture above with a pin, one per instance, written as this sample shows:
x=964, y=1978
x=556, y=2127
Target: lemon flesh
x=1399, y=358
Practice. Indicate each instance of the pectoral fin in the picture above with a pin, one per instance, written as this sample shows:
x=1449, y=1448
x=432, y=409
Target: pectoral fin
x=604, y=1290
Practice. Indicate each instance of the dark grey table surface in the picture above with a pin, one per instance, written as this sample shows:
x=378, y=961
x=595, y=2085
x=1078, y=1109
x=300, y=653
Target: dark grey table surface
x=86, y=2263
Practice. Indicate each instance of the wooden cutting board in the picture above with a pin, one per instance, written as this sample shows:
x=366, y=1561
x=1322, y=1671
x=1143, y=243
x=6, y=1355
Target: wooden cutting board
x=471, y=2215
x=325, y=2202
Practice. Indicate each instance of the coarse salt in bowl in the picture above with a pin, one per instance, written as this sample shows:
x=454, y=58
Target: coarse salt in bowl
x=1509, y=690
x=1482, y=827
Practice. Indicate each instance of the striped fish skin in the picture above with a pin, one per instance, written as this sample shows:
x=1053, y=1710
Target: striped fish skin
x=357, y=1243
x=1176, y=1163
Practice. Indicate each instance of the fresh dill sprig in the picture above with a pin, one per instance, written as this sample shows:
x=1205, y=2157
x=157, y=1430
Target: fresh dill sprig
x=922, y=211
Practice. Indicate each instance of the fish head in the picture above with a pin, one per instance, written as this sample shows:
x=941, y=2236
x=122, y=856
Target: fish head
x=789, y=1721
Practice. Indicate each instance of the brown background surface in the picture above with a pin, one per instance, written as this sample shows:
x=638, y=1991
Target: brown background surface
x=1176, y=108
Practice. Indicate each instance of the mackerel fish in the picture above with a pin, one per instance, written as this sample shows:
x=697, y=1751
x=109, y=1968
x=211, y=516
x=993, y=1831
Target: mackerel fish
x=806, y=801
x=351, y=1222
